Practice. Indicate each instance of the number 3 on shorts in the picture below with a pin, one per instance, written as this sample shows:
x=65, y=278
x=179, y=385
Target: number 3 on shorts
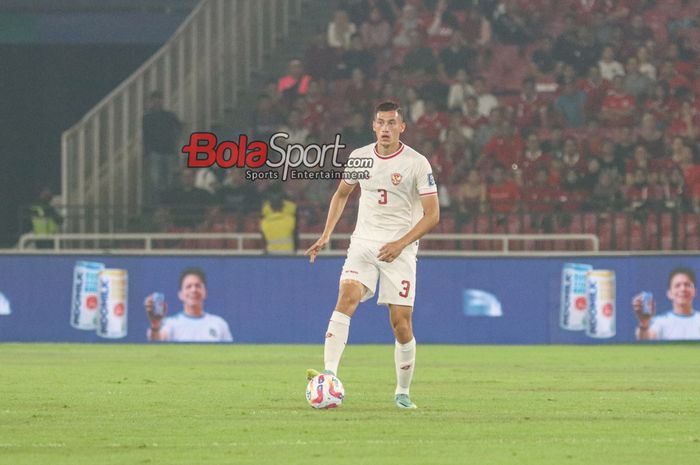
x=406, y=287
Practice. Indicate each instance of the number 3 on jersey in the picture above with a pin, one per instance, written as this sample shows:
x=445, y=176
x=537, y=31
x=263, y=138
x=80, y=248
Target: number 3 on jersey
x=406, y=287
x=382, y=196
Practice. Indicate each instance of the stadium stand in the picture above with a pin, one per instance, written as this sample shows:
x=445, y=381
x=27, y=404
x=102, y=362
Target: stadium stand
x=624, y=166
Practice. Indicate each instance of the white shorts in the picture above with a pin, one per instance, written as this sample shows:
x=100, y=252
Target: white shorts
x=397, y=280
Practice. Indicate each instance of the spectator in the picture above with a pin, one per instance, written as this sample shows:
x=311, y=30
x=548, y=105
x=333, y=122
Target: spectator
x=486, y=100
x=660, y=103
x=360, y=93
x=572, y=195
x=531, y=110
x=294, y=84
x=356, y=56
x=685, y=122
x=503, y=148
x=415, y=105
x=605, y=194
x=596, y=88
x=488, y=129
x=626, y=142
x=294, y=128
x=571, y=157
x=161, y=130
x=650, y=136
x=571, y=105
x=541, y=198
x=186, y=202
x=577, y=48
x=618, y=107
x=459, y=90
x=635, y=82
x=456, y=58
x=193, y=324
x=376, y=31
x=470, y=197
x=358, y=132
x=237, y=195
x=609, y=66
x=340, y=30
x=456, y=130
x=533, y=159
x=637, y=34
x=646, y=67
x=509, y=26
x=315, y=106
x=420, y=59
x=407, y=26
x=543, y=59
x=610, y=161
x=320, y=58
x=476, y=28
x=636, y=194
x=435, y=90
x=503, y=192
x=44, y=218
x=472, y=117
x=266, y=118
x=443, y=25
x=639, y=160
x=279, y=224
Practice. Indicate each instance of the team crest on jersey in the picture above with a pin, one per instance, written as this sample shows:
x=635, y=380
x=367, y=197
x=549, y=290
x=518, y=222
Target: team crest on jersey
x=396, y=178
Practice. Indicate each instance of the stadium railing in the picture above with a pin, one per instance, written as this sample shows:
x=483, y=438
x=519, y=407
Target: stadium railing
x=253, y=244
x=201, y=69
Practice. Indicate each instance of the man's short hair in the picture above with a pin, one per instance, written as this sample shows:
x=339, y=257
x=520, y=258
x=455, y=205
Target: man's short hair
x=389, y=105
x=681, y=270
x=193, y=271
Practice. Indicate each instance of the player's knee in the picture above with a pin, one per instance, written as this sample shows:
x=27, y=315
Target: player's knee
x=347, y=303
x=401, y=327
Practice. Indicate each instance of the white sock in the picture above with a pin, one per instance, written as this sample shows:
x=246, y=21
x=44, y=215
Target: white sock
x=336, y=338
x=405, y=360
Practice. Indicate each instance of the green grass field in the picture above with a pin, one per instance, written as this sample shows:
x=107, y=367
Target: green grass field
x=237, y=404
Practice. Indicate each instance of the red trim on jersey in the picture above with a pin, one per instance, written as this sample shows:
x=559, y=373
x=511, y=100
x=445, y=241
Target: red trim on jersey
x=428, y=193
x=386, y=157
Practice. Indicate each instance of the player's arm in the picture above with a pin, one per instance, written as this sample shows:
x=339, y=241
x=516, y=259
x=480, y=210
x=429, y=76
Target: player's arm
x=431, y=217
x=340, y=198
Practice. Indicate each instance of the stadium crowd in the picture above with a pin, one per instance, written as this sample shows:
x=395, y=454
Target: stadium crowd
x=536, y=115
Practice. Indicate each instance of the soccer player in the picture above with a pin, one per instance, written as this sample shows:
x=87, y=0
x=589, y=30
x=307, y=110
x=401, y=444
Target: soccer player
x=193, y=324
x=682, y=322
x=398, y=205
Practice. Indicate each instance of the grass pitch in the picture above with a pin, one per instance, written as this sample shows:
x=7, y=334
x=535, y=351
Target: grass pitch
x=196, y=404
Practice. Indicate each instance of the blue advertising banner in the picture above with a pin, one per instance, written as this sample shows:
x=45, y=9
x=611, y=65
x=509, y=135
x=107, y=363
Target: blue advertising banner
x=287, y=300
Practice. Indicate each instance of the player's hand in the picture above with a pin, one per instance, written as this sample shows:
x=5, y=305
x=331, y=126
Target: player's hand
x=637, y=307
x=390, y=251
x=316, y=248
x=155, y=319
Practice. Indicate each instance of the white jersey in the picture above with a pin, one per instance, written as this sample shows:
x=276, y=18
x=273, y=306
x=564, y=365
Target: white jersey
x=206, y=328
x=671, y=326
x=390, y=202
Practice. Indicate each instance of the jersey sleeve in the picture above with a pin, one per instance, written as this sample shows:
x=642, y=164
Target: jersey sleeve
x=425, y=181
x=226, y=332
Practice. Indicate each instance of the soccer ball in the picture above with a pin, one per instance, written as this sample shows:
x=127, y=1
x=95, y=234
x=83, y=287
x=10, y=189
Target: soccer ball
x=325, y=391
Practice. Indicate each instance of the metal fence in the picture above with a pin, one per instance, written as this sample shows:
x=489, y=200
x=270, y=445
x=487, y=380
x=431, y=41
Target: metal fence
x=202, y=68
